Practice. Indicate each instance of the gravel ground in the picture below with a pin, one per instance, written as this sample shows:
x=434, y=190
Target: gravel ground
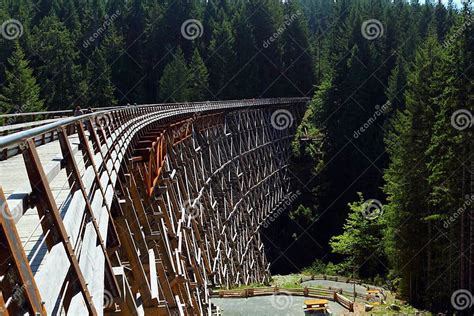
x=335, y=285
x=278, y=305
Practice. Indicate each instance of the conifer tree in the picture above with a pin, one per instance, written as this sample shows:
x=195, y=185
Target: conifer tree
x=63, y=83
x=246, y=67
x=297, y=56
x=450, y=165
x=174, y=82
x=221, y=59
x=112, y=48
x=101, y=89
x=198, y=78
x=407, y=178
x=20, y=92
x=267, y=25
x=397, y=85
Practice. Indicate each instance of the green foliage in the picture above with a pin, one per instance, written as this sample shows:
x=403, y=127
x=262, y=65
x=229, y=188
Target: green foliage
x=319, y=267
x=361, y=241
x=221, y=58
x=101, y=89
x=291, y=281
x=62, y=80
x=174, y=82
x=21, y=93
x=426, y=179
x=199, y=78
x=407, y=178
x=302, y=214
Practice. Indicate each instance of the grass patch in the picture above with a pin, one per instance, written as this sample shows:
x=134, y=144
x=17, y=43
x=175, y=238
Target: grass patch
x=290, y=281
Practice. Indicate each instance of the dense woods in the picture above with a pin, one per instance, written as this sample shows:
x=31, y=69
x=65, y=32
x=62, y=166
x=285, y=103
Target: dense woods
x=392, y=118
x=389, y=127
x=102, y=53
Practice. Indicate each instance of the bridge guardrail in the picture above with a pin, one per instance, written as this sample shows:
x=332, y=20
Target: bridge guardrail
x=358, y=295
x=118, y=115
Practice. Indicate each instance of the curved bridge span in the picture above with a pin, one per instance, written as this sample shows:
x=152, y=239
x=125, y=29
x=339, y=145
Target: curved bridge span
x=141, y=210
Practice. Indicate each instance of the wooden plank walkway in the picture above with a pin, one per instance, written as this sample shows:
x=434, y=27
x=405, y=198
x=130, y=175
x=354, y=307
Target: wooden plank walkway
x=13, y=176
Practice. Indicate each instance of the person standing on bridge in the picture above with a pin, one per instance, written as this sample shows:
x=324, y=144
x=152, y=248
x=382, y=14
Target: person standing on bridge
x=78, y=111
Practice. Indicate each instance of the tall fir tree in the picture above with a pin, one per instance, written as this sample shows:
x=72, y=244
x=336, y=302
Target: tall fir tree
x=246, y=68
x=20, y=92
x=221, y=59
x=198, y=82
x=407, y=176
x=267, y=25
x=101, y=88
x=297, y=52
x=175, y=80
x=451, y=168
x=63, y=83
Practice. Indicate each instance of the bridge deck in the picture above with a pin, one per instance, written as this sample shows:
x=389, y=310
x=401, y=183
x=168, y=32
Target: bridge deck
x=13, y=174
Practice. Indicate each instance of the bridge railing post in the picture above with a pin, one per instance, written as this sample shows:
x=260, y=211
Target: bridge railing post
x=76, y=183
x=47, y=207
x=14, y=263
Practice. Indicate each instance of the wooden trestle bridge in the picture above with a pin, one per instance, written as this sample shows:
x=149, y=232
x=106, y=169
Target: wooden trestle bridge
x=139, y=210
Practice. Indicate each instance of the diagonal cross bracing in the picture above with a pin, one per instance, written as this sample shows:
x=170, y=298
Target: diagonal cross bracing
x=145, y=209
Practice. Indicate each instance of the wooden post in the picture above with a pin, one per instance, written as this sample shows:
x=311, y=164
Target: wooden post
x=47, y=207
x=75, y=178
x=90, y=158
x=12, y=252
